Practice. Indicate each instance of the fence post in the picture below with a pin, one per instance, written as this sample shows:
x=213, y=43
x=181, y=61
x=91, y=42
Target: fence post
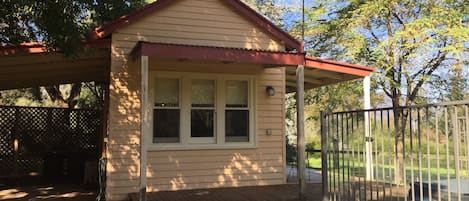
x=457, y=143
x=325, y=184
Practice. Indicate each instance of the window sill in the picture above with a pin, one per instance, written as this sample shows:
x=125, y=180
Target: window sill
x=175, y=147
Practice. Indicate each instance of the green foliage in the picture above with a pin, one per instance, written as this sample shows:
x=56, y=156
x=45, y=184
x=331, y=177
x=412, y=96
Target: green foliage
x=90, y=96
x=60, y=24
x=314, y=142
x=407, y=41
x=24, y=97
x=457, y=85
x=268, y=8
x=339, y=97
x=12, y=97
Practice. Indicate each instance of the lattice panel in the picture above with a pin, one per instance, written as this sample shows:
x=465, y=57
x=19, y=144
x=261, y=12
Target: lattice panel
x=7, y=167
x=87, y=138
x=59, y=135
x=32, y=130
x=42, y=131
x=30, y=164
x=7, y=124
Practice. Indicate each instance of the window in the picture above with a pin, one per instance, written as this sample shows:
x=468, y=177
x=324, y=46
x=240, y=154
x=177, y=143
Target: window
x=237, y=111
x=166, y=112
x=202, y=110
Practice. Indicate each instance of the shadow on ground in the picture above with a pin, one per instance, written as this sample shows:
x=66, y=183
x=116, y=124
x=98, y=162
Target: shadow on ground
x=56, y=192
x=286, y=192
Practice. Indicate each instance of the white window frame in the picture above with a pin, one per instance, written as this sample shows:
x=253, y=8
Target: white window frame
x=153, y=107
x=185, y=140
x=203, y=140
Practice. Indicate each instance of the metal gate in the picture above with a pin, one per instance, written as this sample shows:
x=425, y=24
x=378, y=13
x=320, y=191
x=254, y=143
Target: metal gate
x=410, y=153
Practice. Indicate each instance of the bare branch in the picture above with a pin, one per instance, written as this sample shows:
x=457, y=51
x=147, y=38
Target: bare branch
x=374, y=36
x=387, y=92
x=399, y=19
x=432, y=66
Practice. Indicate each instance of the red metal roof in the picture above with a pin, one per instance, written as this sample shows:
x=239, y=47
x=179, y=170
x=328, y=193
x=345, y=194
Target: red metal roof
x=23, y=48
x=336, y=66
x=39, y=47
x=175, y=51
x=237, y=5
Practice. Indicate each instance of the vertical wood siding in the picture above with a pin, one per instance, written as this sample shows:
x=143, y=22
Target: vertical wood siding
x=193, y=22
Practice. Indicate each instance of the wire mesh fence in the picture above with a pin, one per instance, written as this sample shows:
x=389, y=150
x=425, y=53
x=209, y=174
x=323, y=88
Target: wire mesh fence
x=410, y=153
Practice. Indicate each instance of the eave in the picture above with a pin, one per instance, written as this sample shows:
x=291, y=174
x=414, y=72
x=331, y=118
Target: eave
x=39, y=47
x=318, y=72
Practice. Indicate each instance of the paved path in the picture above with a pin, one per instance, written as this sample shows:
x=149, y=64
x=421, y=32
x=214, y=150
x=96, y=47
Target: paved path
x=312, y=175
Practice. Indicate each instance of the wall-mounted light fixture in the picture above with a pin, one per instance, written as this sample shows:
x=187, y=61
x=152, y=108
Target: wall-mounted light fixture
x=270, y=90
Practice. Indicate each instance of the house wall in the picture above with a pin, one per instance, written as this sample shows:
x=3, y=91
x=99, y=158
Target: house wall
x=193, y=22
x=263, y=165
x=199, y=22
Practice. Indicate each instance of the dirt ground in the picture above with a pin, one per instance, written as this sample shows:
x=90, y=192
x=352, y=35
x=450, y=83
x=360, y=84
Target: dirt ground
x=65, y=192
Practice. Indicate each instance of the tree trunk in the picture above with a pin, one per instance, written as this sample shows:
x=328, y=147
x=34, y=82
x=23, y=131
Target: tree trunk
x=57, y=96
x=399, y=146
x=400, y=122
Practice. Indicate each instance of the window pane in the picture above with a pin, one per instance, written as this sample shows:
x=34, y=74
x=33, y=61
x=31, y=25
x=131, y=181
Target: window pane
x=236, y=93
x=165, y=125
x=203, y=93
x=237, y=125
x=202, y=123
x=166, y=92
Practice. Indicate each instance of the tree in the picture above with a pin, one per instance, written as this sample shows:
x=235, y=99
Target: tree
x=268, y=8
x=408, y=42
x=457, y=86
x=61, y=25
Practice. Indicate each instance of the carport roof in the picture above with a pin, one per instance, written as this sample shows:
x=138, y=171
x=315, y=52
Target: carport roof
x=30, y=64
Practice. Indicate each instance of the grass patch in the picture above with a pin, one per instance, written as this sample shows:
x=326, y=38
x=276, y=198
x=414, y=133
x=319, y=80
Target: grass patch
x=386, y=171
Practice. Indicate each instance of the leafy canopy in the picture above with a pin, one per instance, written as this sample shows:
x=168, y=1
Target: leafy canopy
x=61, y=24
x=409, y=42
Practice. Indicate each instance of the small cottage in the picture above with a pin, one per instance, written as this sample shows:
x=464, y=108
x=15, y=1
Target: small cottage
x=196, y=94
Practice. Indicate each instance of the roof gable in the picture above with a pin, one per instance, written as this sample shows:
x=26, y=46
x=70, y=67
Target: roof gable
x=239, y=7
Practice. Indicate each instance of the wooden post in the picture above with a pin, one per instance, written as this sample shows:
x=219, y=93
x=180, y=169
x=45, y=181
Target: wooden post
x=300, y=131
x=368, y=137
x=144, y=122
x=103, y=135
x=324, y=160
